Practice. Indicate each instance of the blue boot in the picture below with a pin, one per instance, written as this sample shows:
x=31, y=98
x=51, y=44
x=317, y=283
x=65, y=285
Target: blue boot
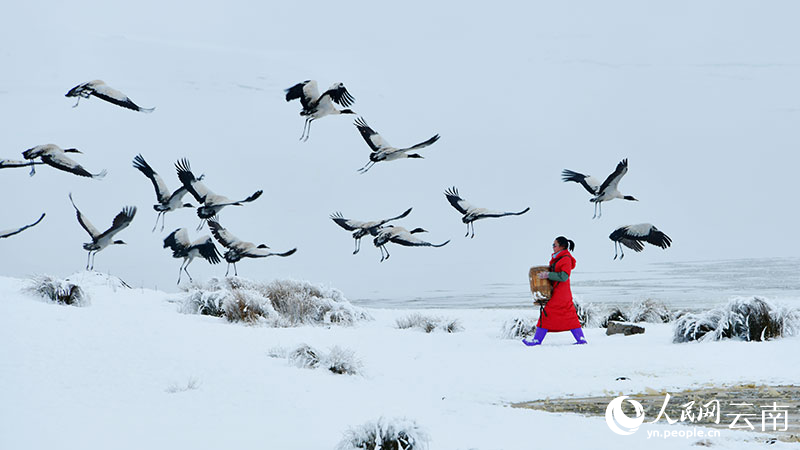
x=538, y=337
x=577, y=333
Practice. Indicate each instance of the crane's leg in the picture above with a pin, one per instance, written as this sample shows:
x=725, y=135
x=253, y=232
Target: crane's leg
x=357, y=246
x=595, y=211
x=228, y=270
x=180, y=272
x=615, y=250
x=305, y=124
x=366, y=167
x=163, y=220
x=158, y=216
x=76, y=103
x=88, y=256
x=186, y=269
x=308, y=132
x=235, y=272
x=467, y=235
x=472, y=224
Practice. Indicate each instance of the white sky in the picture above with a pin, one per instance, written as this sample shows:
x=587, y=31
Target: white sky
x=701, y=97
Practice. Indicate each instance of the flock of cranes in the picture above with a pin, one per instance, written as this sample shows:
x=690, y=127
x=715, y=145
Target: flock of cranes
x=210, y=204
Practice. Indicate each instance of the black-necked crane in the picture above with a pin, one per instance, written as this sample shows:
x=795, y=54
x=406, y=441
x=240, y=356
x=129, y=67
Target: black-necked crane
x=106, y=238
x=317, y=106
x=55, y=156
x=239, y=249
x=13, y=163
x=167, y=201
x=600, y=192
x=182, y=247
x=381, y=150
x=362, y=229
x=9, y=233
x=400, y=236
x=211, y=203
x=101, y=90
x=634, y=237
x=471, y=213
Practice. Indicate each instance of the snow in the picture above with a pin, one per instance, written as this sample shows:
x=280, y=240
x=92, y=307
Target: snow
x=131, y=371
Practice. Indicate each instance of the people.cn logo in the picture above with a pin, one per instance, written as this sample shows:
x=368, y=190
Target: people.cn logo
x=618, y=421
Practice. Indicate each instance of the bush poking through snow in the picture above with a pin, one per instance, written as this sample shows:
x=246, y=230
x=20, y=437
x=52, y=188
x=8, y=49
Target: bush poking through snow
x=58, y=291
x=519, y=328
x=304, y=357
x=616, y=315
x=340, y=361
x=588, y=315
x=385, y=434
x=748, y=319
x=343, y=361
x=191, y=384
x=428, y=323
x=281, y=303
x=650, y=311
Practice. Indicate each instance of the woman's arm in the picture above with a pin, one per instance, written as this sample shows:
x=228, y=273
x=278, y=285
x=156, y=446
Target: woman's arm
x=558, y=276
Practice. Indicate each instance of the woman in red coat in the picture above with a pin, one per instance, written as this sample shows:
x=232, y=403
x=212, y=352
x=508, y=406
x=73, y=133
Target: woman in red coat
x=559, y=314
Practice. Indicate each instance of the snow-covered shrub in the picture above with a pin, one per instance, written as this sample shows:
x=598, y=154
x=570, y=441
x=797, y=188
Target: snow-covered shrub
x=343, y=361
x=339, y=360
x=749, y=319
x=588, y=314
x=58, y=291
x=650, y=311
x=428, y=323
x=614, y=314
x=385, y=434
x=279, y=303
x=519, y=328
x=304, y=357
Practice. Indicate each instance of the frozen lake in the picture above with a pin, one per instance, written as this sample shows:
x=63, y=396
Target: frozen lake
x=682, y=285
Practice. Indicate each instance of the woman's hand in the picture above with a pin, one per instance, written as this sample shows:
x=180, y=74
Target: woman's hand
x=542, y=275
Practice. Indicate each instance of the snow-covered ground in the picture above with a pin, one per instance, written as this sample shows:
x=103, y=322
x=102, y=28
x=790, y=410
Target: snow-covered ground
x=114, y=374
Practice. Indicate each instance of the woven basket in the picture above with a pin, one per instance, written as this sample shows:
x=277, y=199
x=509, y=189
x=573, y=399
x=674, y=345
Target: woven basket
x=540, y=289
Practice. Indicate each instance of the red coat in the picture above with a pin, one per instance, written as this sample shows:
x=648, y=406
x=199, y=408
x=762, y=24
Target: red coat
x=559, y=313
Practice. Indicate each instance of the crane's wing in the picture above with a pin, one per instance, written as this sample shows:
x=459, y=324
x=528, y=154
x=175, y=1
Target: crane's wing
x=409, y=240
x=121, y=221
x=338, y=93
x=347, y=224
x=177, y=240
x=207, y=249
x=373, y=139
x=192, y=184
x=613, y=180
x=93, y=232
x=264, y=252
x=305, y=91
x=111, y=95
x=162, y=192
x=458, y=203
x=62, y=162
x=590, y=183
x=423, y=144
x=8, y=233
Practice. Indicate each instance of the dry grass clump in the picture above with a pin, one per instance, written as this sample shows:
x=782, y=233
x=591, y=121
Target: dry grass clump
x=429, y=323
x=748, y=319
x=58, y=291
x=340, y=361
x=385, y=434
x=283, y=303
x=650, y=311
x=519, y=328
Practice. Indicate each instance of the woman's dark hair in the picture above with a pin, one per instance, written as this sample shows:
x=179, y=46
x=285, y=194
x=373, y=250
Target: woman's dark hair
x=566, y=243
